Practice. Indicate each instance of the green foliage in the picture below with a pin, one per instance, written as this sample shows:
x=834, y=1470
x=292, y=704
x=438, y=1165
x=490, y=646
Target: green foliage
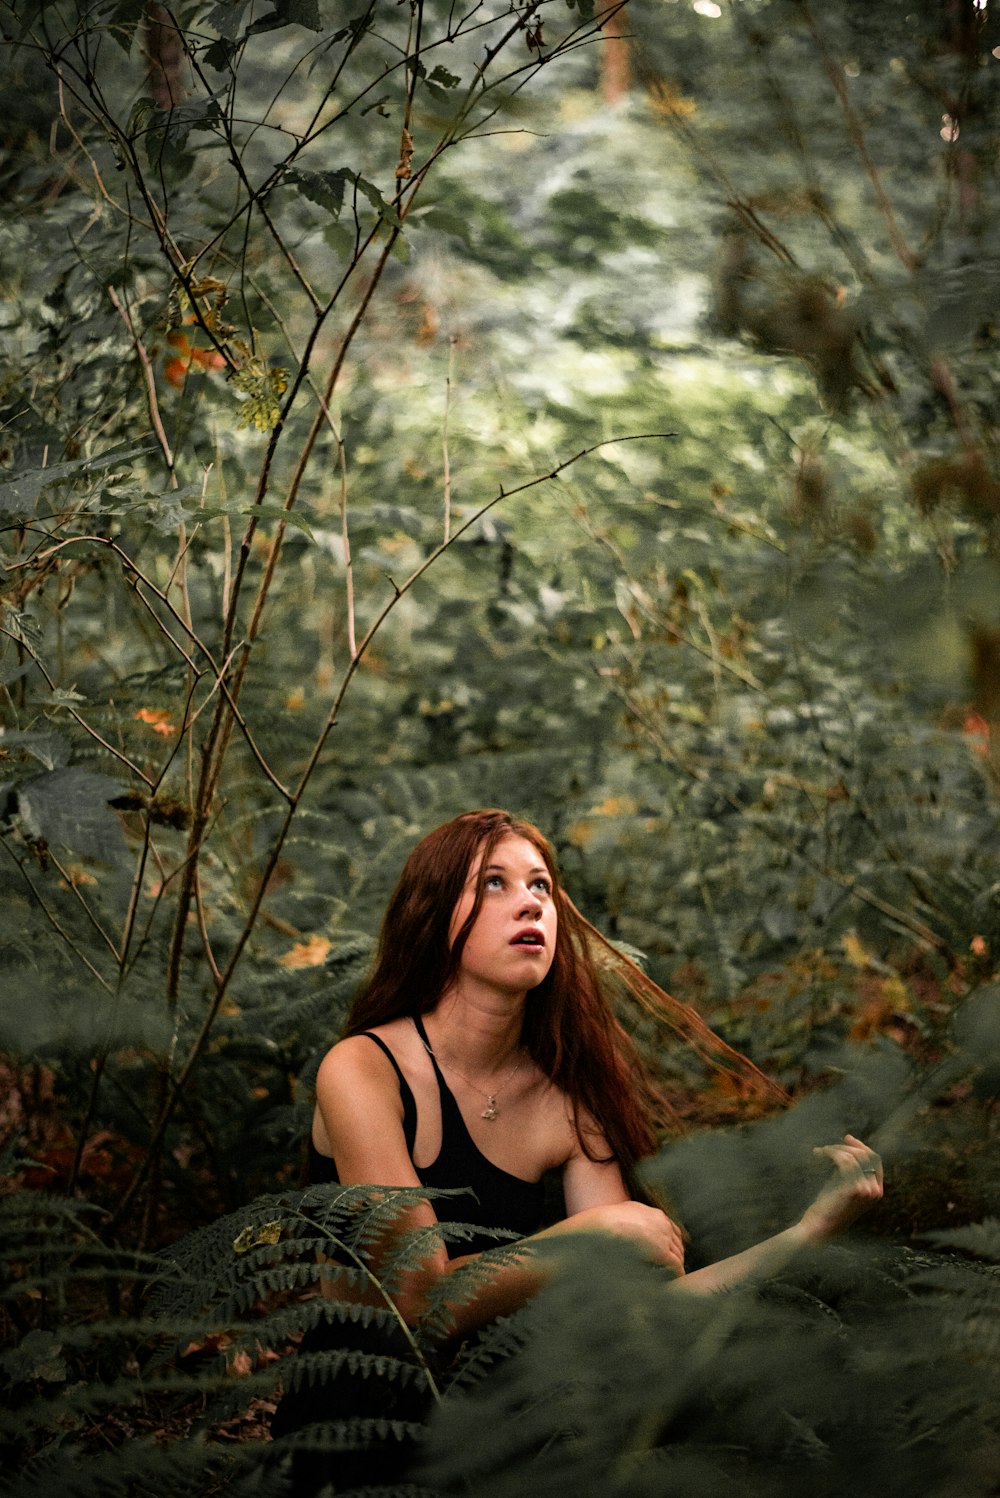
x=822, y=1379
x=306, y=319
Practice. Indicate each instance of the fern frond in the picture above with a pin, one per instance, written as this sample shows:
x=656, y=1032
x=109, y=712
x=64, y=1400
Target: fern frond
x=981, y=1238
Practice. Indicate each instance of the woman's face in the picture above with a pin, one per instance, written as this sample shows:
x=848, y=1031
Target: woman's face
x=513, y=941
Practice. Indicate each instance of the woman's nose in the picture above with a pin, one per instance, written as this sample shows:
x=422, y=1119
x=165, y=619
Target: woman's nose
x=530, y=906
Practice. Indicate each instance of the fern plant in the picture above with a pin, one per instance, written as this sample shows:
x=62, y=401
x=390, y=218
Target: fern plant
x=214, y=1334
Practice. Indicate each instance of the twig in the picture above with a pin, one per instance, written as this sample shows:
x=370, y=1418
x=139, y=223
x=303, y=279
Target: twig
x=837, y=77
x=81, y=722
x=444, y=437
x=147, y=368
x=53, y=921
x=91, y=917
x=345, y=537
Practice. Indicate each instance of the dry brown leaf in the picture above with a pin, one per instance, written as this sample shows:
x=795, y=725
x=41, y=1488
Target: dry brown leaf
x=312, y=952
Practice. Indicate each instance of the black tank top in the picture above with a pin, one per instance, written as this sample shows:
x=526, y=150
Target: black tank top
x=500, y=1200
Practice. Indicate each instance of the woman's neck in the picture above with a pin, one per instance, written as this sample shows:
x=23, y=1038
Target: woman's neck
x=476, y=1032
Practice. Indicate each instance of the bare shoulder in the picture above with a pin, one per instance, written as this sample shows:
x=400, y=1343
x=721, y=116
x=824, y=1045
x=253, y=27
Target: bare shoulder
x=357, y=1060
x=357, y=1101
x=586, y=1135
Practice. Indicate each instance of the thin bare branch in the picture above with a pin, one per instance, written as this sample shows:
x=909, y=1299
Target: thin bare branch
x=147, y=369
x=53, y=920
x=80, y=721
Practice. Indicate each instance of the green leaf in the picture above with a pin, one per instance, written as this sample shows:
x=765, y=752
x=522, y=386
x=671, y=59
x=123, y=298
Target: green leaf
x=142, y=113
x=289, y=13
x=168, y=131
x=69, y=808
x=277, y=512
x=37, y=1356
x=385, y=210
x=324, y=188
x=123, y=20
x=981, y=1238
x=446, y=222
x=21, y=625
x=226, y=17
x=964, y=300
x=19, y=495
x=220, y=54
x=439, y=84
x=50, y=749
x=302, y=13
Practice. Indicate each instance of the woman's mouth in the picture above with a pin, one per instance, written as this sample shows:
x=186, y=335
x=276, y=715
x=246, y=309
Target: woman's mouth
x=530, y=937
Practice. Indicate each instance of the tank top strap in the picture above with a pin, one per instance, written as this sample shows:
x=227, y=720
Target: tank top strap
x=443, y=1087
x=454, y=1129
x=405, y=1091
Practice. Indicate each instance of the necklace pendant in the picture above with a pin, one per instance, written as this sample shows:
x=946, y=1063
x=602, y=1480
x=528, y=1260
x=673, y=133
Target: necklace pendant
x=490, y=1111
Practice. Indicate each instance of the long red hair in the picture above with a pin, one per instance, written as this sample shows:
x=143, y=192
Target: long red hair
x=570, y=1028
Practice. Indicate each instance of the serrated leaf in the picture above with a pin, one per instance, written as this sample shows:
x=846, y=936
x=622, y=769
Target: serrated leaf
x=37, y=1356
x=446, y=222
x=324, y=188
x=442, y=76
x=123, y=22
x=277, y=512
x=288, y=13
x=142, y=113
x=50, y=749
x=168, y=130
x=385, y=210
x=19, y=495
x=302, y=13
x=220, y=54
x=965, y=299
x=226, y=17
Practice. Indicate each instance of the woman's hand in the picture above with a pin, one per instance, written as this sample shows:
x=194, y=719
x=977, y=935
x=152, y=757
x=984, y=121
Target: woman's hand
x=652, y=1230
x=855, y=1186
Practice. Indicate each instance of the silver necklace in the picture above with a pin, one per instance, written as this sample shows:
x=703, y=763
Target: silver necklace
x=491, y=1111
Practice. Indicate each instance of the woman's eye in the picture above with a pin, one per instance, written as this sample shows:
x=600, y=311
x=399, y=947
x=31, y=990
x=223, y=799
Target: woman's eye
x=492, y=881
x=545, y=885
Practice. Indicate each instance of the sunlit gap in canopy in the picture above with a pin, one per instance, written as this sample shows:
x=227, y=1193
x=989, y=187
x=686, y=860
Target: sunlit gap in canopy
x=707, y=8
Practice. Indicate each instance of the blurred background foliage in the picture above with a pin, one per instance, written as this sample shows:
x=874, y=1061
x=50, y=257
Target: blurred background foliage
x=642, y=367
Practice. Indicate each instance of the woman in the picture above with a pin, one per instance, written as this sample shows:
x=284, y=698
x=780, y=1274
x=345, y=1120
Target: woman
x=484, y=1053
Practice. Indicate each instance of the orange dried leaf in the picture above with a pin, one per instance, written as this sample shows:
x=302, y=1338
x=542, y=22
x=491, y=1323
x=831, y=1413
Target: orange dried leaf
x=175, y=372
x=207, y=358
x=158, y=719
x=617, y=806
x=309, y=953
x=977, y=731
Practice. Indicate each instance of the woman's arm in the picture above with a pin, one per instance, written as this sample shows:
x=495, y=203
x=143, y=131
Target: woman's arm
x=857, y=1184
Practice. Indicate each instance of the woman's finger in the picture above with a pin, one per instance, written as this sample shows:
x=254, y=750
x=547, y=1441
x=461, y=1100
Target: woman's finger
x=853, y=1155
